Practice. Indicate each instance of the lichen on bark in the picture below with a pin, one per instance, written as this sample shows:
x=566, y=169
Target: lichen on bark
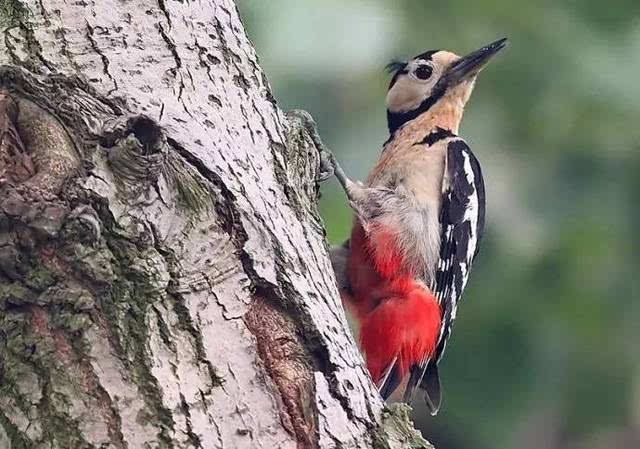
x=12, y=12
x=397, y=431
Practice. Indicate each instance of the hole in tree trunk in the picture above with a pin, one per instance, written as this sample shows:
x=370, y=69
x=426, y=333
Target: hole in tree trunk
x=148, y=134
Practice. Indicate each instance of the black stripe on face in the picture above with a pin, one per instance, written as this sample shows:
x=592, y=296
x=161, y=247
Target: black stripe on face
x=396, y=119
x=435, y=136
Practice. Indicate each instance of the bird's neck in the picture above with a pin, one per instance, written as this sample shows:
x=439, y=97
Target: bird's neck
x=445, y=114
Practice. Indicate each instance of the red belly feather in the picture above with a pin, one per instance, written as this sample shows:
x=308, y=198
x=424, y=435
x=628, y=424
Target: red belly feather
x=398, y=316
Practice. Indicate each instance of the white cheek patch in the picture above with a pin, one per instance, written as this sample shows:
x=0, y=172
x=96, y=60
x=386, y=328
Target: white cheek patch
x=406, y=94
x=409, y=92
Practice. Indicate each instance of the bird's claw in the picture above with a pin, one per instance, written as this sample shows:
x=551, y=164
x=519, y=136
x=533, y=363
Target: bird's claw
x=327, y=165
x=327, y=160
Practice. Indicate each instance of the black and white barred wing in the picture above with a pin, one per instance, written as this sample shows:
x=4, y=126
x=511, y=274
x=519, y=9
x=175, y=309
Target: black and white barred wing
x=462, y=221
x=462, y=226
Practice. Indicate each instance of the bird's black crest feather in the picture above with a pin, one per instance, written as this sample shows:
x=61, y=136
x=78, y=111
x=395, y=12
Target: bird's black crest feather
x=395, y=66
x=426, y=55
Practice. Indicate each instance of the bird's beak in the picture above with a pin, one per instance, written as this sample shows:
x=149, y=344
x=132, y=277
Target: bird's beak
x=471, y=64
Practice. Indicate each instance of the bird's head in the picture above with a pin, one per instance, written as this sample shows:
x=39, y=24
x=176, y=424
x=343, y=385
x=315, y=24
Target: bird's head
x=432, y=79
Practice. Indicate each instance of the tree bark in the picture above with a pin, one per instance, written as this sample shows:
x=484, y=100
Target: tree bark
x=164, y=278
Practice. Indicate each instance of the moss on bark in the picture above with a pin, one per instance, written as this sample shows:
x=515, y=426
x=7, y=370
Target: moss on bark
x=397, y=430
x=12, y=12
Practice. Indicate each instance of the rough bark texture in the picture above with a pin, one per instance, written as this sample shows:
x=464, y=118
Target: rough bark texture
x=164, y=279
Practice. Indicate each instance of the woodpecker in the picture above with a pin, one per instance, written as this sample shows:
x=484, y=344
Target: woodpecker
x=418, y=221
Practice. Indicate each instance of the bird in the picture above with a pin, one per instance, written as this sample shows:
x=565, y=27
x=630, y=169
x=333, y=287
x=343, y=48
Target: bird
x=418, y=220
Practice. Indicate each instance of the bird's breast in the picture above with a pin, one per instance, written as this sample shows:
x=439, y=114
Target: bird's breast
x=416, y=171
x=415, y=175
x=423, y=178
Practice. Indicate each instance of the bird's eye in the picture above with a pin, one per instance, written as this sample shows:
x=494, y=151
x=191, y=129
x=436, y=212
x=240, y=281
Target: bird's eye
x=423, y=72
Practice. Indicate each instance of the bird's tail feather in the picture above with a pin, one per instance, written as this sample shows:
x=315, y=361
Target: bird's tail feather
x=432, y=389
x=425, y=375
x=390, y=380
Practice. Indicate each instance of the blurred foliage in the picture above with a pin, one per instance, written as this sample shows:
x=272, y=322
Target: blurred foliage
x=544, y=352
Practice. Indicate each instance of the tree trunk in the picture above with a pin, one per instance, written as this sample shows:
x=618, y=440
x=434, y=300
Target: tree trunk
x=164, y=278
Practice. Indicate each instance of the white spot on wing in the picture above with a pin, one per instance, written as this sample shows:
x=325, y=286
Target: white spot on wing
x=461, y=274
x=471, y=215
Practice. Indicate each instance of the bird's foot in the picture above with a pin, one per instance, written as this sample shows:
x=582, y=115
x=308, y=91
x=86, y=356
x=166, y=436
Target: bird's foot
x=327, y=160
x=329, y=166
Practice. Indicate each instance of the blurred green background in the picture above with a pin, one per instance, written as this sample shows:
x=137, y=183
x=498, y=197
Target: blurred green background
x=545, y=350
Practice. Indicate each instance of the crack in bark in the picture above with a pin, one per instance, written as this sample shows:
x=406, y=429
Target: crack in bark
x=61, y=34
x=186, y=323
x=45, y=15
x=224, y=46
x=165, y=11
x=225, y=310
x=10, y=47
x=171, y=46
x=31, y=46
x=193, y=438
x=103, y=57
x=202, y=51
